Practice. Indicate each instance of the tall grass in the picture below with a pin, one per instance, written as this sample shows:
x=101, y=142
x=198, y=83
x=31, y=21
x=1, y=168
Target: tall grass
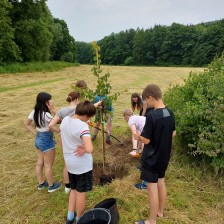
x=35, y=67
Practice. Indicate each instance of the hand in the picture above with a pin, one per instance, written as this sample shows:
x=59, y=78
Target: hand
x=137, y=135
x=80, y=151
x=98, y=104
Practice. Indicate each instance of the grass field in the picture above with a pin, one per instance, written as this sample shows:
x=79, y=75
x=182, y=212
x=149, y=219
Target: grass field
x=194, y=195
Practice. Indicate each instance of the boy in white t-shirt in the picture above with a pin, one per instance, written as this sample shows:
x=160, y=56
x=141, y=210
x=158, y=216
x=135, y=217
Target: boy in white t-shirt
x=78, y=160
x=135, y=122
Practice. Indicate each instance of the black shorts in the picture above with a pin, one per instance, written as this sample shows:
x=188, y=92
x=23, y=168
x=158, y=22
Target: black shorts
x=81, y=182
x=151, y=177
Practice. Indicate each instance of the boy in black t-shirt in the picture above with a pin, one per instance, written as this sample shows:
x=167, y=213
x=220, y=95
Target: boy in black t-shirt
x=157, y=137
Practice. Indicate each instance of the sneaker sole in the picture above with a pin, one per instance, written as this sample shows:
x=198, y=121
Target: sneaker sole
x=67, y=191
x=40, y=189
x=50, y=191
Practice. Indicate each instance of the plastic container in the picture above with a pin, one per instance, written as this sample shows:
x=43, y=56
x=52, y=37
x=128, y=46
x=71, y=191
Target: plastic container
x=95, y=216
x=111, y=205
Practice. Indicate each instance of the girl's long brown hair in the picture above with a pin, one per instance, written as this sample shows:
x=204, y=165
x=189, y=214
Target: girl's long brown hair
x=138, y=104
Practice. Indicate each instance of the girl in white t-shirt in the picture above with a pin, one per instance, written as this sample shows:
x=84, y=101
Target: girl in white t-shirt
x=73, y=100
x=44, y=142
x=75, y=132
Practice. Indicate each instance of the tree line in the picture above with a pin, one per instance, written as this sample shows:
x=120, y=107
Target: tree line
x=29, y=32
x=178, y=45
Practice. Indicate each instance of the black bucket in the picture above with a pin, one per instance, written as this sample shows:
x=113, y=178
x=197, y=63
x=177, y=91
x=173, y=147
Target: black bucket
x=111, y=205
x=95, y=216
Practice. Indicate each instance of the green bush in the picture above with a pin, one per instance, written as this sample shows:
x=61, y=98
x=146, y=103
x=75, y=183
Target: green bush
x=68, y=57
x=199, y=109
x=129, y=61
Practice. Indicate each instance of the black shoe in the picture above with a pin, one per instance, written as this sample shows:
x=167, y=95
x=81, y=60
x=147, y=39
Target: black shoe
x=109, y=142
x=70, y=221
x=139, y=167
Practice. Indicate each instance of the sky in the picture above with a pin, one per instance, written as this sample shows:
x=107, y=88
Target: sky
x=90, y=20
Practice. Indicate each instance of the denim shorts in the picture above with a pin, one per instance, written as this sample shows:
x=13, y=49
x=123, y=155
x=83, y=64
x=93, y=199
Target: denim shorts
x=45, y=141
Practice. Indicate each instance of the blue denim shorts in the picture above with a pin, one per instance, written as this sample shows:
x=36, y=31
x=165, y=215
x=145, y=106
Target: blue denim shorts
x=45, y=141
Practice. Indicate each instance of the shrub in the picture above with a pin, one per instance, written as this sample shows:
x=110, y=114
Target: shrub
x=68, y=57
x=129, y=61
x=199, y=109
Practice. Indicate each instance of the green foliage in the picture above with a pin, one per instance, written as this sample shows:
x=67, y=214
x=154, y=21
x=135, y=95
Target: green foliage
x=84, y=52
x=34, y=39
x=103, y=87
x=177, y=45
x=9, y=50
x=28, y=32
x=68, y=57
x=63, y=42
x=199, y=109
x=129, y=61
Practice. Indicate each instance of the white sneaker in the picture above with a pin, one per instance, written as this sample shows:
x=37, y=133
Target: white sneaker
x=67, y=190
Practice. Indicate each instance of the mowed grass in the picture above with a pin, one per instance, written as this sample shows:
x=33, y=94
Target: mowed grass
x=194, y=195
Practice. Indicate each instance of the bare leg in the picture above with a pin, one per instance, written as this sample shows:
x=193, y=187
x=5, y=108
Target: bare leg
x=162, y=196
x=95, y=132
x=109, y=126
x=48, y=164
x=134, y=143
x=80, y=203
x=39, y=167
x=152, y=189
x=72, y=200
x=65, y=175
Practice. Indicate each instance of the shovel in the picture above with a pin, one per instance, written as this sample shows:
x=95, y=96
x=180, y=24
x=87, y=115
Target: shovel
x=92, y=125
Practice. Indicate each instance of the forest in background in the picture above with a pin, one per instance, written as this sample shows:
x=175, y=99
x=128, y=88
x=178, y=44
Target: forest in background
x=30, y=33
x=175, y=45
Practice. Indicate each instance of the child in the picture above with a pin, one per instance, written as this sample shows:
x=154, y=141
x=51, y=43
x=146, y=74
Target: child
x=137, y=104
x=75, y=132
x=73, y=100
x=44, y=142
x=107, y=112
x=81, y=86
x=135, y=122
x=157, y=137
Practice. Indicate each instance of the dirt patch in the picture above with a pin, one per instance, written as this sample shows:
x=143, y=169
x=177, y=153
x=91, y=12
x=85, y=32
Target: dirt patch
x=118, y=163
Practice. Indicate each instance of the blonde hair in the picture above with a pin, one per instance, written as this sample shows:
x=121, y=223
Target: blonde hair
x=128, y=112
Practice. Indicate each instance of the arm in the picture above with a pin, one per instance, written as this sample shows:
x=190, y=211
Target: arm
x=133, y=129
x=174, y=134
x=29, y=126
x=141, y=138
x=98, y=103
x=52, y=124
x=87, y=144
